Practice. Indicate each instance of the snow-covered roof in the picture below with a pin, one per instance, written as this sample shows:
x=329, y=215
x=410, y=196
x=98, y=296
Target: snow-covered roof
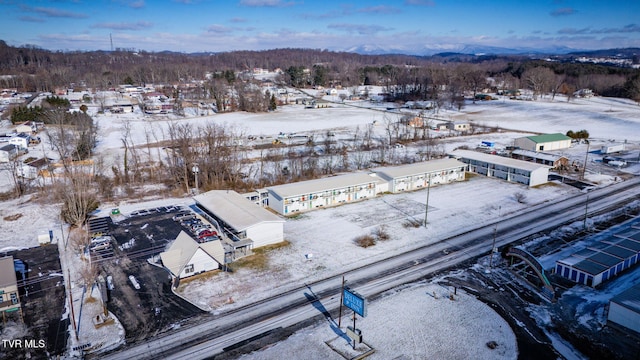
x=184, y=247
x=418, y=168
x=324, y=184
x=537, y=155
x=234, y=209
x=499, y=160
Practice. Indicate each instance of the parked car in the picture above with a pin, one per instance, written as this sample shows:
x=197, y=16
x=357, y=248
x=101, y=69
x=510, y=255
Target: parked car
x=206, y=233
x=183, y=216
x=208, y=238
x=134, y=282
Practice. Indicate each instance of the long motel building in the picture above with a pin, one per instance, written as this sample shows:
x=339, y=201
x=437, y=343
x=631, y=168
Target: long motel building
x=420, y=175
x=308, y=195
x=508, y=169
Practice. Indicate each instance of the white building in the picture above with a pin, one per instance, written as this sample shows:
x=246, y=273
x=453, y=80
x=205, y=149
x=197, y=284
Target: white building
x=624, y=309
x=242, y=220
x=8, y=152
x=546, y=142
x=311, y=194
x=186, y=257
x=512, y=170
x=21, y=140
x=418, y=175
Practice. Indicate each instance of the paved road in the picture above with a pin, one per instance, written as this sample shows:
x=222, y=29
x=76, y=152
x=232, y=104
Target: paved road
x=213, y=336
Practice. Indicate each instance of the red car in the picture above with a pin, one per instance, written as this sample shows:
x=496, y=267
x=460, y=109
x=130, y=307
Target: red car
x=206, y=233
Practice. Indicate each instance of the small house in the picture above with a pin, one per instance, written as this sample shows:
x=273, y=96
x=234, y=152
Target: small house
x=9, y=298
x=8, y=152
x=186, y=257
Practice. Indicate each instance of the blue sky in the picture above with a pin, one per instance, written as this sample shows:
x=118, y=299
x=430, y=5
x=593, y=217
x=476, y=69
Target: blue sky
x=406, y=25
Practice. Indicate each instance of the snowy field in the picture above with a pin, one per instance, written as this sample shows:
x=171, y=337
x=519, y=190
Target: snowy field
x=328, y=234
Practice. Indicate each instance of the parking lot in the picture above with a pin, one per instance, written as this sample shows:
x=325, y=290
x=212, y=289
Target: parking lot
x=135, y=238
x=42, y=295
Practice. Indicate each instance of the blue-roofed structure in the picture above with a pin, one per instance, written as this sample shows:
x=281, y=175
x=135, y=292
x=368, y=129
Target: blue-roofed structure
x=603, y=260
x=624, y=309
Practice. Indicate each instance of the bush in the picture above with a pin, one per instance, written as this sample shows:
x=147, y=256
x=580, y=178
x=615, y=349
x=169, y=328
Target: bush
x=520, y=197
x=381, y=233
x=365, y=241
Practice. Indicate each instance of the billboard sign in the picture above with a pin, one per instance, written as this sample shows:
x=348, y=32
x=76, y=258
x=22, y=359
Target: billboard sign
x=354, y=301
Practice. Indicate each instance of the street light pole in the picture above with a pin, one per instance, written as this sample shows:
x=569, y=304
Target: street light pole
x=195, y=169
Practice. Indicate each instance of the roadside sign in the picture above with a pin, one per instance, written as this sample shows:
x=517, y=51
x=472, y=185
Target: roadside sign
x=354, y=301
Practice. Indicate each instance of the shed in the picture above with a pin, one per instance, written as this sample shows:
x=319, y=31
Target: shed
x=240, y=218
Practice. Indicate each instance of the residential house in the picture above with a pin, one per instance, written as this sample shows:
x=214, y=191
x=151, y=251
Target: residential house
x=9, y=298
x=8, y=152
x=186, y=257
x=21, y=140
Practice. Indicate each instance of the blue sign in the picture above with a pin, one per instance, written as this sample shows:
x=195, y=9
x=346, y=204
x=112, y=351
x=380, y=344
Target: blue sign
x=354, y=301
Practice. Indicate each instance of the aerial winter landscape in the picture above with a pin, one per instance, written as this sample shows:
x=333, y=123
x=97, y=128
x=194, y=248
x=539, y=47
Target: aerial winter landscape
x=382, y=181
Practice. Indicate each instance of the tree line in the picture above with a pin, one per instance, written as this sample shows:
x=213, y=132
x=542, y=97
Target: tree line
x=29, y=68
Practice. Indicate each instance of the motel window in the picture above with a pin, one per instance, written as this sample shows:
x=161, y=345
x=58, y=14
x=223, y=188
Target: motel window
x=188, y=269
x=14, y=298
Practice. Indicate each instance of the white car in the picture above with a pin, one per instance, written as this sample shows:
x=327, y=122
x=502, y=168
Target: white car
x=134, y=282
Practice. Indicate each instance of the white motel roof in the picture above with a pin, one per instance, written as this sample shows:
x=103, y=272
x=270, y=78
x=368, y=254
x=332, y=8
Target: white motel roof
x=324, y=184
x=234, y=209
x=425, y=167
x=498, y=160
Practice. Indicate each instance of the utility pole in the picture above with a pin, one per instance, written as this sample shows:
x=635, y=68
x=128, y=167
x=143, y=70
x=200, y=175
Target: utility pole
x=586, y=157
x=341, y=299
x=586, y=205
x=426, y=210
x=493, y=246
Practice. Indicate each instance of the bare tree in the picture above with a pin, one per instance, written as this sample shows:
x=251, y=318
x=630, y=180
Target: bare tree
x=538, y=79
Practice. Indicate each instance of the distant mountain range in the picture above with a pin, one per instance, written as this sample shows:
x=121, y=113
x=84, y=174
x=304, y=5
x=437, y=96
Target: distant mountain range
x=430, y=50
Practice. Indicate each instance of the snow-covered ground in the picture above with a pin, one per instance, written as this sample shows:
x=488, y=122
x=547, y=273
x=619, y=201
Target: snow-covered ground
x=328, y=233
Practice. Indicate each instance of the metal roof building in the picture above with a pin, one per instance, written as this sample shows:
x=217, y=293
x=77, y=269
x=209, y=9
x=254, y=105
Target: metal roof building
x=544, y=142
x=624, y=309
x=512, y=170
x=241, y=219
x=604, y=259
